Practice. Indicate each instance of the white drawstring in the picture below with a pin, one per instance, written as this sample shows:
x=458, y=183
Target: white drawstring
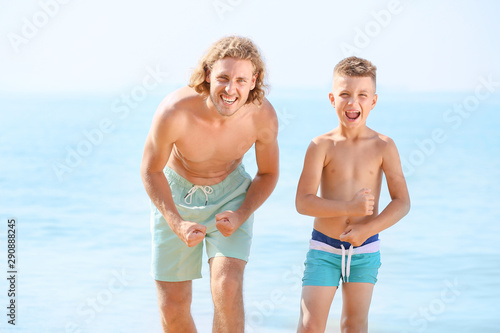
x=206, y=189
x=346, y=271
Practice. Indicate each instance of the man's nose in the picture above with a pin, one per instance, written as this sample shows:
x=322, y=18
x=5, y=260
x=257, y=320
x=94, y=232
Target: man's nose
x=230, y=88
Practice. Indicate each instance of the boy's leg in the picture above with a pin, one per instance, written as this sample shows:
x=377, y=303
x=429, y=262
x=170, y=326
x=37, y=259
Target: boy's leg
x=357, y=297
x=314, y=308
x=174, y=299
x=226, y=281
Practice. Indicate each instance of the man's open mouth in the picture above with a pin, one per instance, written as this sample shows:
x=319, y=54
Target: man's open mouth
x=228, y=100
x=352, y=115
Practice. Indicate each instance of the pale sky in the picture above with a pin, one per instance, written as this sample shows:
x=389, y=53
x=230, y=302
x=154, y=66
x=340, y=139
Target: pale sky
x=72, y=46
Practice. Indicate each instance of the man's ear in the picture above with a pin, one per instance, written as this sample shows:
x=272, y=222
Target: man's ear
x=207, y=75
x=332, y=99
x=254, y=81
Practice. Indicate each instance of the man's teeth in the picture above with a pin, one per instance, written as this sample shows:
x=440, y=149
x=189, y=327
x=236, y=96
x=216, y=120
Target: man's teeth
x=229, y=101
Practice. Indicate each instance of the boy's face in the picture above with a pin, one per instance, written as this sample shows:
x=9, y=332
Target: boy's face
x=353, y=98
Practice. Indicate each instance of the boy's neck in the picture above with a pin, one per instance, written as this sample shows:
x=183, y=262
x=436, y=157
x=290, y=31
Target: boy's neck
x=352, y=133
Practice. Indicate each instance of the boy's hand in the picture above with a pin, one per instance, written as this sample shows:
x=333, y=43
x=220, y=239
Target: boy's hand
x=363, y=202
x=354, y=235
x=192, y=233
x=227, y=222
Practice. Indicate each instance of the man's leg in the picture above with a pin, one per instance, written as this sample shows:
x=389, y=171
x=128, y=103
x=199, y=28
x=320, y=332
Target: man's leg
x=174, y=299
x=314, y=308
x=356, y=304
x=226, y=281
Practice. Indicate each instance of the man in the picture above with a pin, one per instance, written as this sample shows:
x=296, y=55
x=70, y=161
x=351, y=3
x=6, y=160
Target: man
x=192, y=172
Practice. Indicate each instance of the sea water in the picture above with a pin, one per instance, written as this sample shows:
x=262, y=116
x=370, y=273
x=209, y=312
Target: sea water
x=69, y=175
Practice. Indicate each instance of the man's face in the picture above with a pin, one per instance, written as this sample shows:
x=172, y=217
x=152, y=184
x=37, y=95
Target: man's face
x=230, y=83
x=353, y=98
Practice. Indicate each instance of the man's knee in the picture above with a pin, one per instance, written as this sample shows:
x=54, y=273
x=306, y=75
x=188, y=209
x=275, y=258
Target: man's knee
x=227, y=274
x=173, y=299
x=227, y=282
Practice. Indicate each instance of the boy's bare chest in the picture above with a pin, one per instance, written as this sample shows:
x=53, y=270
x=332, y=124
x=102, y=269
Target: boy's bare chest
x=347, y=168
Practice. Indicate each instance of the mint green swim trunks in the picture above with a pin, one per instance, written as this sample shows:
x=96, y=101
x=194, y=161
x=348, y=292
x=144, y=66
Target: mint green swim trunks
x=173, y=260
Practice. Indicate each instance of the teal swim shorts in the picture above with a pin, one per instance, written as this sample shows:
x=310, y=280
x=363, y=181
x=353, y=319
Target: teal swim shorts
x=172, y=259
x=330, y=260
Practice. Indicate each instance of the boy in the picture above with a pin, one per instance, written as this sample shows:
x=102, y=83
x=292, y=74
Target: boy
x=348, y=163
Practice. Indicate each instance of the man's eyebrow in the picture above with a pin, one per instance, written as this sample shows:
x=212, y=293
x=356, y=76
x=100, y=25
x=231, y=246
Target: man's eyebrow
x=224, y=75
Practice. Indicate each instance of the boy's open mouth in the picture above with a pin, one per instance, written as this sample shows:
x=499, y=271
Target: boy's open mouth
x=352, y=115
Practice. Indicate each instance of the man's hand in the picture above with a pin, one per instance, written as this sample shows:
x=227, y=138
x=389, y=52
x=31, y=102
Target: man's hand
x=192, y=233
x=227, y=222
x=362, y=204
x=354, y=234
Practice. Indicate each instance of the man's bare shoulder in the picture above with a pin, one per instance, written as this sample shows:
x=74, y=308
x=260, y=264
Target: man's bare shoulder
x=177, y=102
x=263, y=111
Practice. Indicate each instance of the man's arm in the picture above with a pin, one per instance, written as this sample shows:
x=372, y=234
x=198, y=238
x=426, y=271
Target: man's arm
x=309, y=203
x=395, y=210
x=264, y=182
x=164, y=130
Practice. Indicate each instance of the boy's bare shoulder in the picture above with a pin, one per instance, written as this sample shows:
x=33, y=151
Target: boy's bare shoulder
x=327, y=139
x=384, y=144
x=384, y=140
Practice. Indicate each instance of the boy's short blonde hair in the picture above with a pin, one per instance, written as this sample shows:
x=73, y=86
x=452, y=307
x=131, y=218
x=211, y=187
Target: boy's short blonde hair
x=233, y=47
x=354, y=66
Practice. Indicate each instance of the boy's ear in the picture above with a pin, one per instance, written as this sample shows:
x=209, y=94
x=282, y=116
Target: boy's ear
x=207, y=75
x=332, y=99
x=375, y=97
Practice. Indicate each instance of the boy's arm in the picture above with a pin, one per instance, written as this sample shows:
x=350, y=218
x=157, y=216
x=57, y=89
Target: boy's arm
x=395, y=210
x=157, y=151
x=264, y=182
x=309, y=203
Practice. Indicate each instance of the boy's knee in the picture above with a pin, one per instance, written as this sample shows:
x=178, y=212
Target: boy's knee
x=310, y=327
x=354, y=324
